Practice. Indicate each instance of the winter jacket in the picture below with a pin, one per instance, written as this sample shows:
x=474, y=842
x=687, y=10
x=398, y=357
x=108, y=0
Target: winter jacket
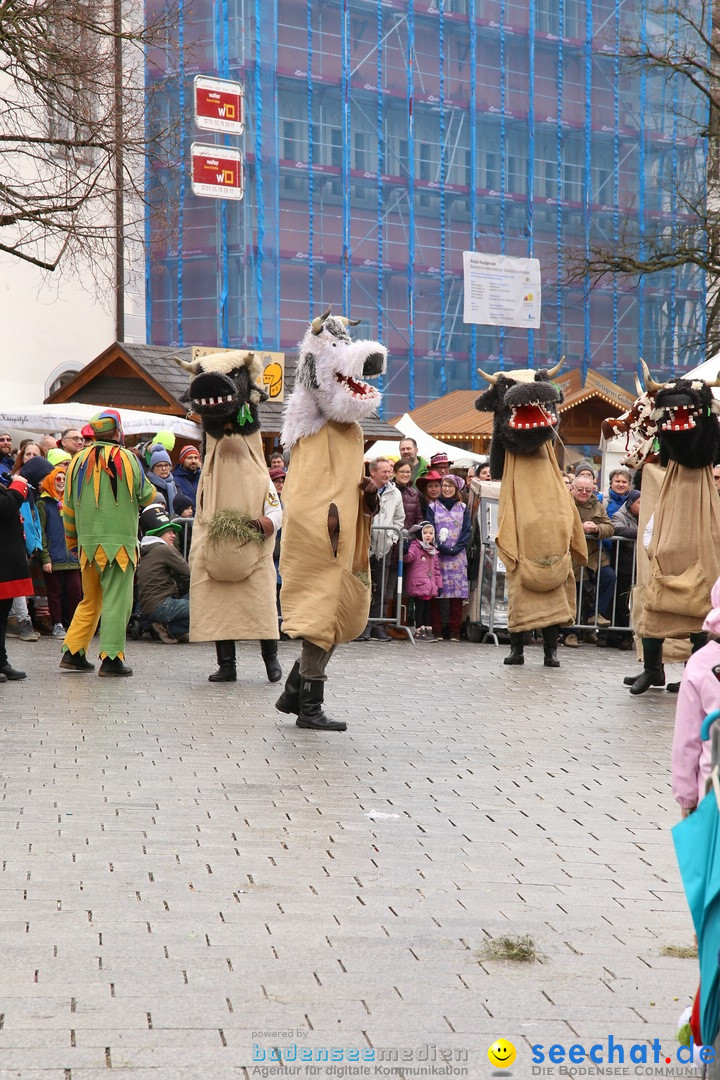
x=167, y=488
x=54, y=547
x=6, y=468
x=186, y=483
x=699, y=694
x=14, y=570
x=424, y=576
x=593, y=510
x=411, y=505
x=162, y=572
x=391, y=512
x=625, y=525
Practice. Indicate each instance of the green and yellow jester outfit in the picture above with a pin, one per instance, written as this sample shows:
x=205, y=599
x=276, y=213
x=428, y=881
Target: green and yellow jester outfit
x=104, y=492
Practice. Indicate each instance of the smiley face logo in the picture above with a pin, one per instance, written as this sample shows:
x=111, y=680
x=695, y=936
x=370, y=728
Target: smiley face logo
x=501, y=1054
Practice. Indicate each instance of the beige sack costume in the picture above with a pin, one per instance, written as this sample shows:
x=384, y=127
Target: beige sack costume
x=684, y=557
x=232, y=587
x=325, y=597
x=539, y=535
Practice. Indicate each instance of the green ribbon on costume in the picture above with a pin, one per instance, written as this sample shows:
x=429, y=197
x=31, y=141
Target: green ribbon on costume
x=244, y=416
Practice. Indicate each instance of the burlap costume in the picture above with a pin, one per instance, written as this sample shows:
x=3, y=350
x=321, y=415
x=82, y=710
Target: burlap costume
x=232, y=586
x=684, y=554
x=539, y=535
x=674, y=651
x=325, y=597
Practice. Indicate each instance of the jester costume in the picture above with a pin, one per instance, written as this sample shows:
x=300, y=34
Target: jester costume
x=104, y=491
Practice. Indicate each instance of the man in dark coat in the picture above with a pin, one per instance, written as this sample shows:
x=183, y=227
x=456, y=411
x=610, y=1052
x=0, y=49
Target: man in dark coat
x=6, y=459
x=14, y=571
x=187, y=474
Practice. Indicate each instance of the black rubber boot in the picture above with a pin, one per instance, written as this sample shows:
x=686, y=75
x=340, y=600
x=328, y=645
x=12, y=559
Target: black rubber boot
x=268, y=648
x=227, y=671
x=12, y=673
x=517, y=655
x=653, y=671
x=550, y=640
x=289, y=700
x=311, y=713
x=76, y=661
x=113, y=666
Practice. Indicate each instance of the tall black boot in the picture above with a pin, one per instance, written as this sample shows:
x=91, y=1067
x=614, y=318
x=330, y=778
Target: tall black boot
x=268, y=648
x=653, y=673
x=516, y=650
x=311, y=713
x=550, y=640
x=227, y=671
x=289, y=700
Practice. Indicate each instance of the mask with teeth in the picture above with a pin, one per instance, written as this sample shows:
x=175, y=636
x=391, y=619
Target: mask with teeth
x=330, y=379
x=525, y=404
x=685, y=413
x=224, y=392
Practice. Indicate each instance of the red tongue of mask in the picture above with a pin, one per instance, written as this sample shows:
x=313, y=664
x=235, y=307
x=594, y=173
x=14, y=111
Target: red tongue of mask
x=682, y=419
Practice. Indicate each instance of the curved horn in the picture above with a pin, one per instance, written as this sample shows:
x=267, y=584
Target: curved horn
x=317, y=323
x=638, y=386
x=489, y=378
x=650, y=385
x=716, y=382
x=188, y=365
x=554, y=370
x=349, y=322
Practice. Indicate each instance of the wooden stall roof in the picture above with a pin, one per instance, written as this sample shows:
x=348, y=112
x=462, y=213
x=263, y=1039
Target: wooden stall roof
x=147, y=377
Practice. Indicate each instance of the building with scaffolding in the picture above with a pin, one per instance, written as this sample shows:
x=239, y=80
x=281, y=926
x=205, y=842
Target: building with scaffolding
x=385, y=137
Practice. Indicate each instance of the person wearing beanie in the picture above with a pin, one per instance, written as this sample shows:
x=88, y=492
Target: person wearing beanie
x=160, y=474
x=58, y=457
x=34, y=470
x=14, y=572
x=187, y=473
x=163, y=577
x=104, y=491
x=60, y=569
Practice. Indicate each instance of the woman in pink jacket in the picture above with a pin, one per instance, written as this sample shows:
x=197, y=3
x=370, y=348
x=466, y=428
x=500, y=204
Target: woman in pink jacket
x=424, y=577
x=699, y=694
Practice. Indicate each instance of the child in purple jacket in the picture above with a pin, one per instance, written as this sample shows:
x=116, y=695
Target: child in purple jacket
x=424, y=577
x=699, y=694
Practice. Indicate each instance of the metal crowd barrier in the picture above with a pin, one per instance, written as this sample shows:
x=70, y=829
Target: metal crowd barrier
x=487, y=603
x=593, y=590
x=385, y=574
x=185, y=533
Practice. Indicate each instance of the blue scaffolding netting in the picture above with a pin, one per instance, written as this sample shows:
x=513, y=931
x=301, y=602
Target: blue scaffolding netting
x=384, y=140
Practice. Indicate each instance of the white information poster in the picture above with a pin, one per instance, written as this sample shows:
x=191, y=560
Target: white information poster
x=501, y=291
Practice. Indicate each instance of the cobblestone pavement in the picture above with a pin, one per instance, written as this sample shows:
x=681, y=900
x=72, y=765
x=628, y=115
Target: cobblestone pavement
x=186, y=875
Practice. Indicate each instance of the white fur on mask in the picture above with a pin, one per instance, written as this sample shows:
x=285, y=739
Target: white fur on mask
x=322, y=391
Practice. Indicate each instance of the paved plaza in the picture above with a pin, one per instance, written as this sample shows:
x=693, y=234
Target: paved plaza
x=189, y=881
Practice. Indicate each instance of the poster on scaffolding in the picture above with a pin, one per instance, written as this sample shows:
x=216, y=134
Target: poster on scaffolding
x=500, y=290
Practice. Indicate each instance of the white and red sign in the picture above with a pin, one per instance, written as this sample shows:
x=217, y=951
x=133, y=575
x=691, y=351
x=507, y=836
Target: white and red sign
x=216, y=171
x=219, y=105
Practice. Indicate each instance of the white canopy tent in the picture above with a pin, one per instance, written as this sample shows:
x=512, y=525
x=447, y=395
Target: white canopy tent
x=709, y=371
x=427, y=446
x=54, y=419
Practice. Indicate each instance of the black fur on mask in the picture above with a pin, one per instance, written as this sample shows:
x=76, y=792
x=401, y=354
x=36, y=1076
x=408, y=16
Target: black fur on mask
x=687, y=424
x=515, y=403
x=229, y=393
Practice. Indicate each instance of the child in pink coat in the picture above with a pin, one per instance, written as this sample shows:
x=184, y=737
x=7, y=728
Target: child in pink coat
x=424, y=577
x=699, y=694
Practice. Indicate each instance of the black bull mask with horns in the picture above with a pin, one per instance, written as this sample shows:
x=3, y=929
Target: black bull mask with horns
x=686, y=415
x=224, y=391
x=525, y=404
